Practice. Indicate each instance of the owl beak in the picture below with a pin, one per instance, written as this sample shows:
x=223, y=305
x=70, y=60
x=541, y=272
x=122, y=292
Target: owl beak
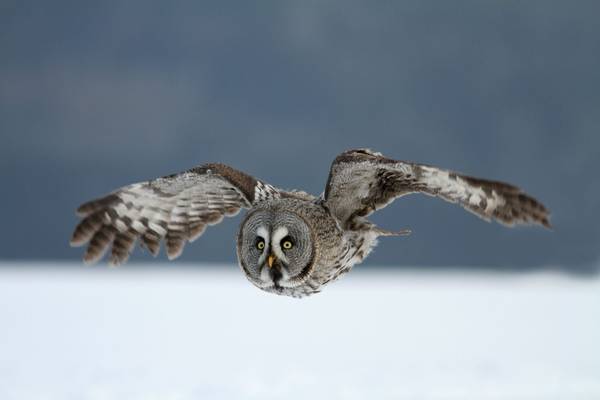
x=270, y=260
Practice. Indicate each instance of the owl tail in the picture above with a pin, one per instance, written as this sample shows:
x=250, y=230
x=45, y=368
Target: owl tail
x=384, y=232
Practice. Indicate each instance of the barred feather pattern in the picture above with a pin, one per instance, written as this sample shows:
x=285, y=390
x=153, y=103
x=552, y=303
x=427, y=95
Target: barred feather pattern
x=174, y=209
x=487, y=199
x=362, y=181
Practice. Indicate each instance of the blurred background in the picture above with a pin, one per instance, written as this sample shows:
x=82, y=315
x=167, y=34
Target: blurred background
x=96, y=95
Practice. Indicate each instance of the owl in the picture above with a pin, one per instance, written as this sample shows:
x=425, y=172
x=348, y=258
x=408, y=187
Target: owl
x=289, y=242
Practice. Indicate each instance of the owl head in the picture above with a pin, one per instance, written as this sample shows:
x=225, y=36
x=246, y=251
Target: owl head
x=276, y=248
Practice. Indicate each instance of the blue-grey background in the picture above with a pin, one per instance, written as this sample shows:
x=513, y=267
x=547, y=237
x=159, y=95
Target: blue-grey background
x=95, y=95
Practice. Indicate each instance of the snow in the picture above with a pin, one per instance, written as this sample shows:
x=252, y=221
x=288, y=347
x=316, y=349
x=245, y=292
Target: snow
x=206, y=333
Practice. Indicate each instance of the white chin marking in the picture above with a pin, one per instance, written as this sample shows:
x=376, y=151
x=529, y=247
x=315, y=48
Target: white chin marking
x=265, y=277
x=287, y=284
x=285, y=279
x=267, y=281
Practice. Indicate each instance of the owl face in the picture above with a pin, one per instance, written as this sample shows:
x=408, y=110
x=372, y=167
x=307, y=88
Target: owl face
x=275, y=249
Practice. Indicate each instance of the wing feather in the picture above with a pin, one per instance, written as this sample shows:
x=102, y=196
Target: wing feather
x=175, y=209
x=361, y=182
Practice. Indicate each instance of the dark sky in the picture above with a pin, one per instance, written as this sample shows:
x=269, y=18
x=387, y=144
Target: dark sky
x=97, y=95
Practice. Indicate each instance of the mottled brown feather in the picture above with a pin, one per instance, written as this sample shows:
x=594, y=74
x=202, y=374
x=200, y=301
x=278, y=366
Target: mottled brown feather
x=176, y=208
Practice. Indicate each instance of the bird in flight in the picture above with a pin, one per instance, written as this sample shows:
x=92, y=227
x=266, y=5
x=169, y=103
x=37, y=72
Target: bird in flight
x=289, y=242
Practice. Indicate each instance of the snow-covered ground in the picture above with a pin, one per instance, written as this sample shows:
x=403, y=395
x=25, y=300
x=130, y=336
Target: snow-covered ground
x=182, y=333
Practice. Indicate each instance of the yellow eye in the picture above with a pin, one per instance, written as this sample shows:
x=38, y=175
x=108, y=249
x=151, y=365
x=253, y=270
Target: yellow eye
x=287, y=244
x=260, y=244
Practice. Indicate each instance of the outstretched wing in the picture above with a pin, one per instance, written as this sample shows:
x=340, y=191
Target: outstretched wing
x=361, y=182
x=176, y=208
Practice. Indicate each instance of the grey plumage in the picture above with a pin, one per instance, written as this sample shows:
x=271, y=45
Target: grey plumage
x=307, y=242
x=362, y=181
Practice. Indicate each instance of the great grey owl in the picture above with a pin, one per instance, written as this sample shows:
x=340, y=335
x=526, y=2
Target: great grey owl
x=290, y=242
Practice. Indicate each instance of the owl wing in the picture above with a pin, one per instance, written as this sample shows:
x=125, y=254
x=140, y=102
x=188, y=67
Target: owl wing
x=361, y=182
x=176, y=208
